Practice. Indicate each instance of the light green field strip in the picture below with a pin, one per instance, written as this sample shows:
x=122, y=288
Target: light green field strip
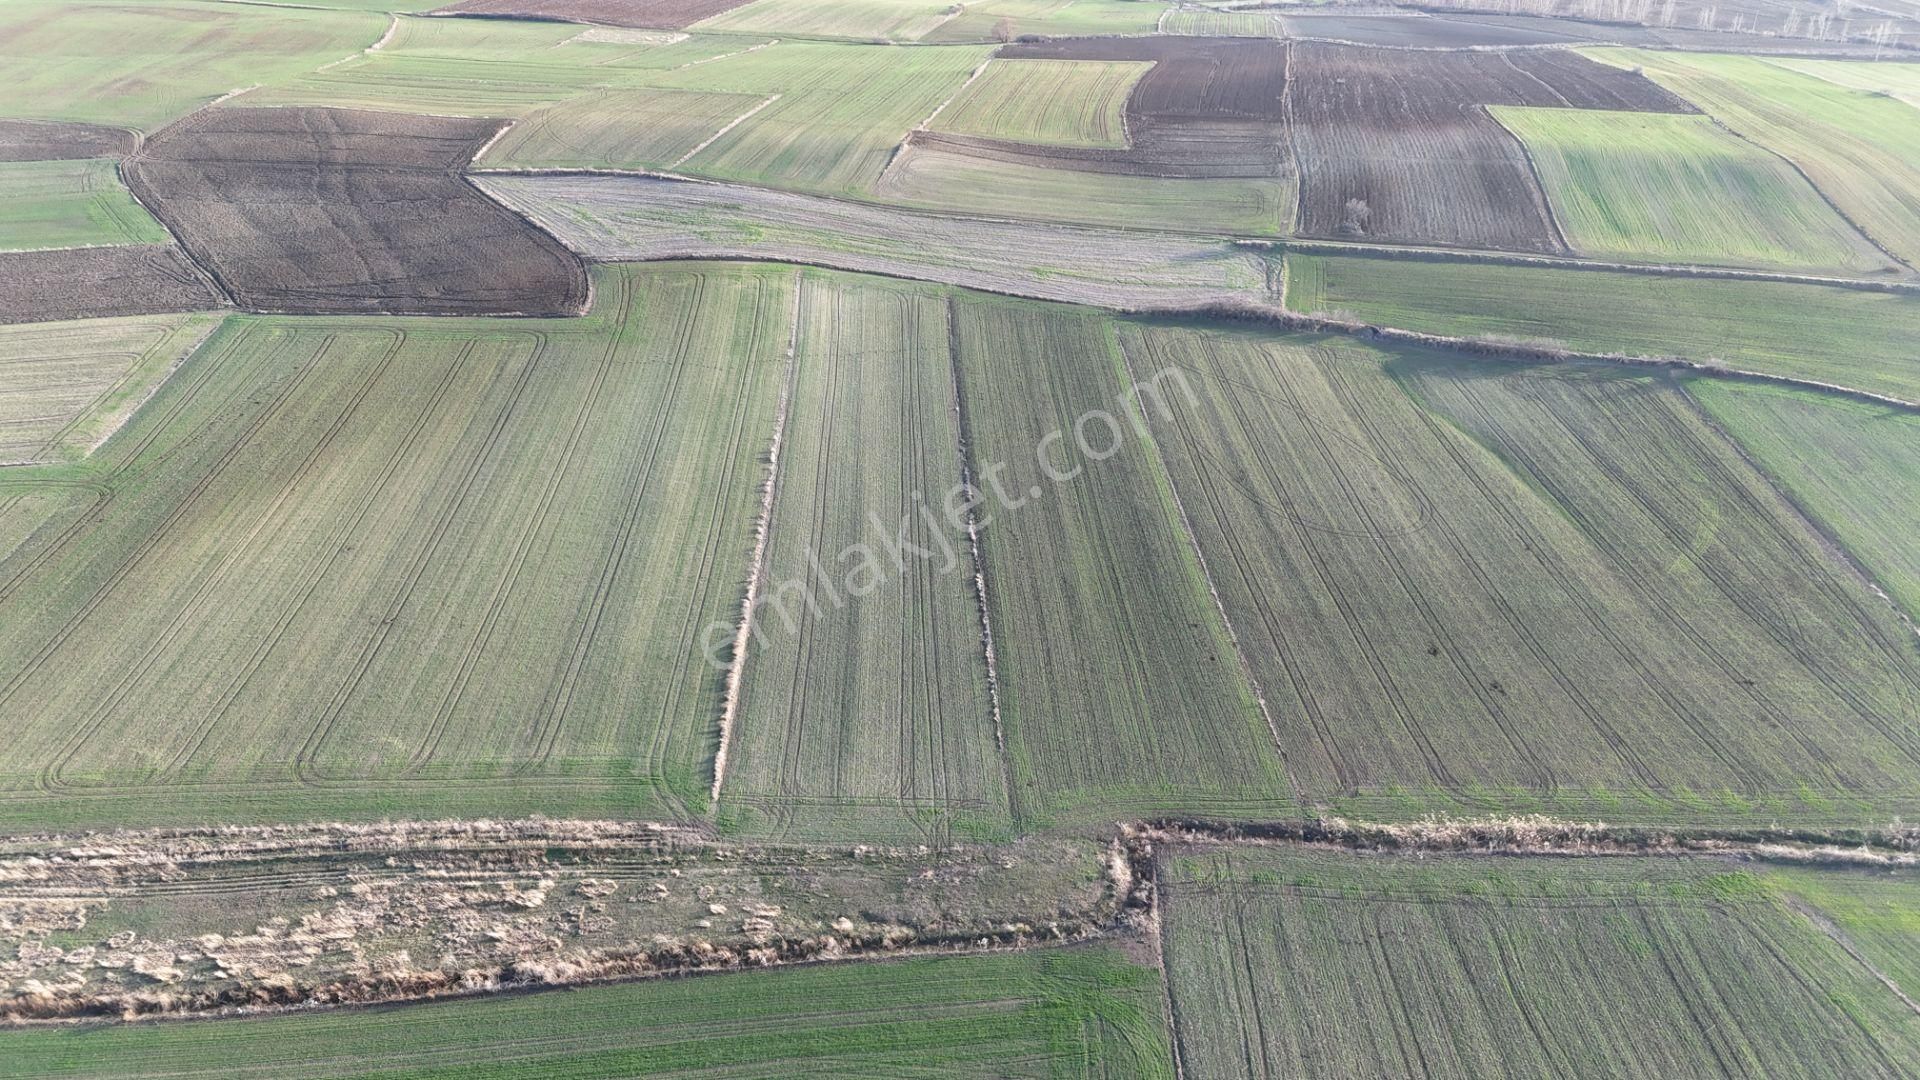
x=841, y=112
x=56, y=204
x=1072, y=1013
x=1223, y=23
x=1848, y=337
x=1119, y=690
x=618, y=129
x=865, y=20
x=141, y=65
x=1545, y=590
x=1862, y=150
x=1854, y=467
x=1661, y=187
x=1305, y=964
x=865, y=701
x=65, y=386
x=994, y=20
x=1053, y=102
x=1874, y=912
x=941, y=180
x=500, y=67
x=433, y=566
x=1895, y=80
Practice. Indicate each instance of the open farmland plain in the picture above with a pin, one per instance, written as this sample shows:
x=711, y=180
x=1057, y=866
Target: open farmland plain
x=365, y=494
x=1054, y=102
x=60, y=204
x=642, y=218
x=66, y=386
x=1301, y=963
x=1854, y=338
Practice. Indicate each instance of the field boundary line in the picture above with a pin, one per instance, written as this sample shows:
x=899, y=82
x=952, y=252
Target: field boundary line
x=1826, y=926
x=1533, y=167
x=393, y=27
x=756, y=565
x=716, y=136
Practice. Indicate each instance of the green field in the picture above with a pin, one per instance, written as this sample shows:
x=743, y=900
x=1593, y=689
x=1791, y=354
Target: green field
x=1120, y=693
x=1847, y=337
x=66, y=386
x=935, y=179
x=1662, y=187
x=1223, y=23
x=1054, y=102
x=359, y=567
x=1861, y=149
x=1530, y=589
x=1899, y=80
x=1310, y=964
x=1854, y=467
x=618, y=129
x=865, y=701
x=982, y=20
x=141, y=65
x=866, y=20
x=54, y=204
x=1070, y=1013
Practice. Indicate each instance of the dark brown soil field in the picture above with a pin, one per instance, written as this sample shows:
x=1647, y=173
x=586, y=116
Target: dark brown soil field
x=1416, y=31
x=1210, y=107
x=35, y=140
x=83, y=283
x=639, y=14
x=1396, y=145
x=342, y=210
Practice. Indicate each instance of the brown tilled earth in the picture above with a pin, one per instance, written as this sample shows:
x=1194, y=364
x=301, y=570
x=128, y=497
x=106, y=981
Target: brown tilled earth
x=1416, y=31
x=84, y=283
x=315, y=210
x=1209, y=107
x=639, y=14
x=37, y=140
x=1397, y=146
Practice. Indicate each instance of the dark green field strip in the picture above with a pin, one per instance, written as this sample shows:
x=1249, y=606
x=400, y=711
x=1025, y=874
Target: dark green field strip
x=865, y=685
x=1120, y=689
x=1309, y=964
x=1071, y=1013
x=1471, y=587
x=1848, y=337
x=348, y=559
x=1855, y=467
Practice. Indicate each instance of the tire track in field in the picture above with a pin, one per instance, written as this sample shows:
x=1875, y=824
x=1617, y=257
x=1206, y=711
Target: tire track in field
x=1677, y=537
x=1653, y=596
x=1521, y=630
x=336, y=545
x=304, y=767
x=1456, y=656
x=798, y=684
x=1819, y=998
x=125, y=566
x=640, y=477
x=1274, y=476
x=187, y=615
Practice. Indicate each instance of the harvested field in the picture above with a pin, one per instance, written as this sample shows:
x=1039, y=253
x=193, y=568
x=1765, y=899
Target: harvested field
x=1854, y=467
x=995, y=182
x=39, y=140
x=1209, y=107
x=642, y=218
x=65, y=386
x=865, y=20
x=618, y=129
x=138, y=64
x=1076, y=1013
x=82, y=283
x=1049, y=102
x=61, y=204
x=1396, y=146
x=1470, y=967
x=1551, y=588
x=330, y=210
x=865, y=706
x=1859, y=148
x=1662, y=188
x=1120, y=692
x=1415, y=32
x=641, y=14
x=460, y=567
x=1848, y=337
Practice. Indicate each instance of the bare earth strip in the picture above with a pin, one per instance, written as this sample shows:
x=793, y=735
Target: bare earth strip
x=645, y=218
x=78, y=283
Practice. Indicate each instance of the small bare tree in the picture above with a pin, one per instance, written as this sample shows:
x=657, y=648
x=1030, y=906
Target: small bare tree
x=1003, y=30
x=1353, y=219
